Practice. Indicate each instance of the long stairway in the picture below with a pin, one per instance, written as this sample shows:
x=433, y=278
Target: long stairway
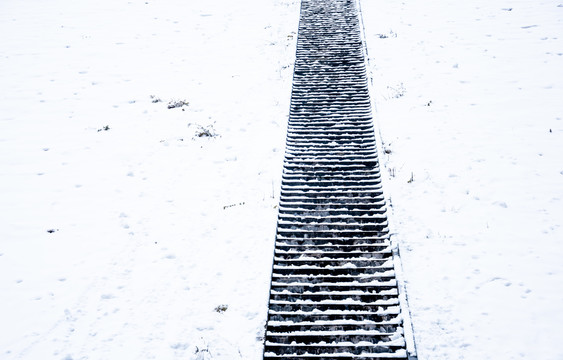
x=333, y=293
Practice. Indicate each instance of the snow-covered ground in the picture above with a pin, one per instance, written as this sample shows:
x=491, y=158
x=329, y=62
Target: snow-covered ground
x=469, y=98
x=126, y=235
x=153, y=227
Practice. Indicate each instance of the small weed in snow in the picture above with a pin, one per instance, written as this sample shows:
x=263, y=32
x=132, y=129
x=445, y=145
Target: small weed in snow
x=221, y=308
x=105, y=128
x=202, y=351
x=155, y=99
x=173, y=104
x=208, y=131
x=202, y=354
x=391, y=34
x=232, y=205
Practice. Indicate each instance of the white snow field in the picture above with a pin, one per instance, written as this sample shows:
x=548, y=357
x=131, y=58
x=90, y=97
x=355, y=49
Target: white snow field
x=133, y=231
x=469, y=98
x=154, y=226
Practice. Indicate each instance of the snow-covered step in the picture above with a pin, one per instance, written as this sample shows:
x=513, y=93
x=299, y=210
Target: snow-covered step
x=304, y=132
x=339, y=203
x=318, y=317
x=313, y=223
x=328, y=124
x=343, y=356
x=340, y=196
x=348, y=233
x=312, y=279
x=361, y=175
x=288, y=242
x=332, y=93
x=324, y=196
x=330, y=115
x=312, y=152
x=329, y=128
x=291, y=247
x=331, y=191
x=336, y=214
x=303, y=291
x=345, y=349
x=320, y=165
x=341, y=191
x=350, y=287
x=295, y=253
x=331, y=255
x=304, y=235
x=332, y=148
x=306, y=174
x=350, y=110
x=314, y=314
x=393, y=322
x=327, y=225
x=314, y=266
x=309, y=183
x=351, y=273
x=329, y=133
x=284, y=246
x=367, y=297
x=326, y=172
x=356, y=335
x=320, y=95
x=336, y=205
x=350, y=107
x=335, y=254
x=325, y=216
x=346, y=279
x=294, y=179
x=330, y=161
x=306, y=254
x=358, y=308
x=366, y=243
x=326, y=230
x=317, y=139
x=350, y=200
x=304, y=212
x=324, y=269
x=327, y=92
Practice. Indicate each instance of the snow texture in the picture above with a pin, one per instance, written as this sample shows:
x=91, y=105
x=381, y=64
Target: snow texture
x=141, y=148
x=125, y=228
x=468, y=99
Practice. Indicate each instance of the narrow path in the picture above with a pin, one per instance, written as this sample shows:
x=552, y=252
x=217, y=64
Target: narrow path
x=333, y=294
